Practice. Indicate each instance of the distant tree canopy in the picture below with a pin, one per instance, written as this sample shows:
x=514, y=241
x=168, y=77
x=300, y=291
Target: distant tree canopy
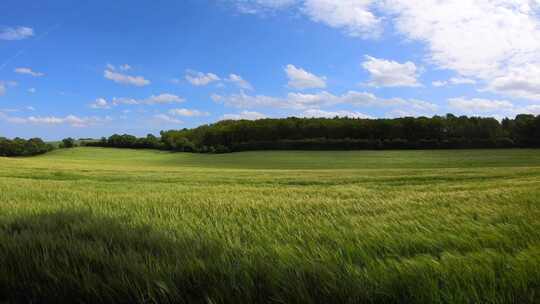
x=68, y=143
x=438, y=132
x=23, y=147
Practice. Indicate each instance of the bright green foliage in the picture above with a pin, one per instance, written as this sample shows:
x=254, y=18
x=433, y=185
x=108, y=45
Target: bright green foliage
x=104, y=225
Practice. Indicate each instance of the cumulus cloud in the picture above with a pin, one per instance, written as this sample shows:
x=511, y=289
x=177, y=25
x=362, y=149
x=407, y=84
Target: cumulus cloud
x=302, y=79
x=28, y=71
x=388, y=73
x=111, y=73
x=2, y=89
x=239, y=82
x=521, y=82
x=16, y=33
x=200, y=79
x=187, y=113
x=488, y=39
x=353, y=16
x=244, y=115
x=490, y=107
x=496, y=42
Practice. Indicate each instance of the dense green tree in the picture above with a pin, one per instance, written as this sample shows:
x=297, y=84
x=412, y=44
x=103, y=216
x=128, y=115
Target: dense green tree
x=448, y=132
x=22, y=147
x=68, y=143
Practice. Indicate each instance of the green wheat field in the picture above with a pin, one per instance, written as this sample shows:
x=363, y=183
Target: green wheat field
x=91, y=225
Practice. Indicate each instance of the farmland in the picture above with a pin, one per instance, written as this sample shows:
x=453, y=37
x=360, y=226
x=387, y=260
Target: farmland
x=111, y=225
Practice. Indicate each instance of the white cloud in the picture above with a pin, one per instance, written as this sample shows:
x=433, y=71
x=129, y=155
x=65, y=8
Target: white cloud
x=462, y=80
x=32, y=90
x=521, y=82
x=299, y=101
x=163, y=118
x=165, y=98
x=353, y=16
x=71, y=120
x=292, y=101
x=100, y=103
x=5, y=84
x=200, y=79
x=496, y=42
x=453, y=81
x=531, y=109
x=28, y=71
x=331, y=114
x=244, y=115
x=16, y=33
x=242, y=100
x=111, y=74
x=187, y=112
x=388, y=73
x=239, y=81
x=479, y=105
x=260, y=6
x=302, y=79
x=487, y=39
x=124, y=67
x=439, y=83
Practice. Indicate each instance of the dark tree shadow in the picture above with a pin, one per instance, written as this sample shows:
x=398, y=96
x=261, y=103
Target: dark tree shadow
x=71, y=256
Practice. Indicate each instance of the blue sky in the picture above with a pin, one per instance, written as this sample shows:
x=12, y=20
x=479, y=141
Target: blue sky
x=93, y=68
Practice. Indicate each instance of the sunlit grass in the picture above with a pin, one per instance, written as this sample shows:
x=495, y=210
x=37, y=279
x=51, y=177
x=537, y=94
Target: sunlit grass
x=105, y=225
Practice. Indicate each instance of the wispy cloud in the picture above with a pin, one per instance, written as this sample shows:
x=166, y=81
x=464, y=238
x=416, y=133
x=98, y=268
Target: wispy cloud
x=112, y=73
x=244, y=115
x=187, y=112
x=28, y=71
x=165, y=98
x=239, y=82
x=16, y=33
x=316, y=113
x=164, y=118
x=300, y=101
x=454, y=81
x=71, y=120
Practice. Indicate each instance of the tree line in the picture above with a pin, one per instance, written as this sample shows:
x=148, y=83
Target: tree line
x=438, y=132
x=23, y=147
x=31, y=147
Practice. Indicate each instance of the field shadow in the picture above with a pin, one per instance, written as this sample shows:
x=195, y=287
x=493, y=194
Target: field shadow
x=81, y=257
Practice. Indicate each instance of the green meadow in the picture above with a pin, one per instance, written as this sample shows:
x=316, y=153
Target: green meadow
x=92, y=225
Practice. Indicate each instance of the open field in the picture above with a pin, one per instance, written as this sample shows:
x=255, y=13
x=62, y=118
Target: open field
x=105, y=225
